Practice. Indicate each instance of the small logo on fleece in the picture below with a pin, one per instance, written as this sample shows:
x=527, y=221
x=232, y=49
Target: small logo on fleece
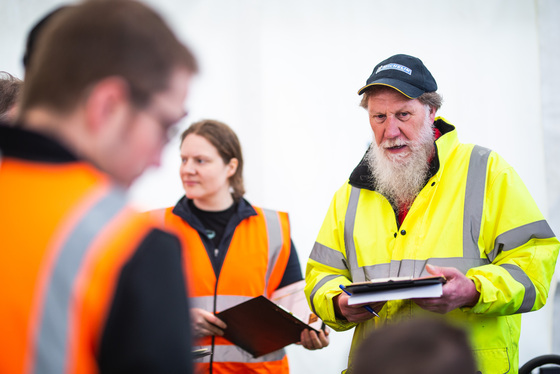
x=394, y=66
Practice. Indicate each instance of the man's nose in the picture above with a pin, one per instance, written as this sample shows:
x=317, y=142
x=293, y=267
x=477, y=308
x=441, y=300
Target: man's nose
x=392, y=129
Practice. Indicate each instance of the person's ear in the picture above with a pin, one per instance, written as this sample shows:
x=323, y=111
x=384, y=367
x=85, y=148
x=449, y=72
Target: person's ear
x=107, y=104
x=232, y=166
x=432, y=114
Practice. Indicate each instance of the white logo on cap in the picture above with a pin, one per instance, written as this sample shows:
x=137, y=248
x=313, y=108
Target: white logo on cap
x=394, y=66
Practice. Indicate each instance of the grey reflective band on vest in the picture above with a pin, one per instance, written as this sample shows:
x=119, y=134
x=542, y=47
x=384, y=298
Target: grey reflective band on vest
x=474, y=200
x=222, y=303
x=233, y=353
x=530, y=293
x=520, y=235
x=275, y=240
x=349, y=223
x=328, y=256
x=53, y=328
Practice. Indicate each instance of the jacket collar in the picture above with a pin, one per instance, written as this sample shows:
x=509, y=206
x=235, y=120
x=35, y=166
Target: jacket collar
x=361, y=176
x=33, y=146
x=182, y=209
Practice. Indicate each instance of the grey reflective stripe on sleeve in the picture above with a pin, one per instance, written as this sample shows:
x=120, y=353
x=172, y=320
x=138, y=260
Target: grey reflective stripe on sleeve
x=530, y=294
x=328, y=256
x=224, y=302
x=320, y=284
x=274, y=231
x=53, y=330
x=349, y=223
x=233, y=353
x=474, y=200
x=520, y=235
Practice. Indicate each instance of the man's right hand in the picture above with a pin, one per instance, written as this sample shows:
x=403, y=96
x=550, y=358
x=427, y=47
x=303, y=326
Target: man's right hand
x=353, y=313
x=205, y=323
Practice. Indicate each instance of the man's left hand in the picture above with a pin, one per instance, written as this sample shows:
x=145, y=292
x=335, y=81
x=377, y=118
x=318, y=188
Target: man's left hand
x=458, y=291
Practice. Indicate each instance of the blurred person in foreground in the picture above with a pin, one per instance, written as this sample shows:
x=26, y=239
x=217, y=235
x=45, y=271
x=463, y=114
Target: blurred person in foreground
x=417, y=346
x=421, y=203
x=234, y=250
x=10, y=92
x=90, y=285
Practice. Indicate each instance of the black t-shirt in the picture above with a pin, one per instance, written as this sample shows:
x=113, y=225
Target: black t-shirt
x=214, y=222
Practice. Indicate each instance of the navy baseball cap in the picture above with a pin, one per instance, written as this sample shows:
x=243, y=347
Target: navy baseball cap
x=404, y=73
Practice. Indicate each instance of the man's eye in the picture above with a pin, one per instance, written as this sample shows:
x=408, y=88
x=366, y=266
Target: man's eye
x=404, y=115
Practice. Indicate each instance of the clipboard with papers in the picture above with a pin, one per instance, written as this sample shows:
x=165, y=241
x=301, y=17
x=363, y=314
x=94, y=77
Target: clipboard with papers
x=261, y=326
x=399, y=288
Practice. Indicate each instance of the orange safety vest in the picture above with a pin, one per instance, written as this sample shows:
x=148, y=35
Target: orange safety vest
x=65, y=233
x=254, y=265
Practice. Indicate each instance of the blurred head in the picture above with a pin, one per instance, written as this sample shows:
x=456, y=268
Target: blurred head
x=116, y=69
x=82, y=44
x=211, y=162
x=30, y=43
x=10, y=91
x=418, y=346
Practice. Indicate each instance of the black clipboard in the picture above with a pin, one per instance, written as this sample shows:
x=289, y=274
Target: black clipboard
x=259, y=326
x=393, y=284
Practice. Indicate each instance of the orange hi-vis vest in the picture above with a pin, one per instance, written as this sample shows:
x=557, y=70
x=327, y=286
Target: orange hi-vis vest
x=65, y=233
x=254, y=265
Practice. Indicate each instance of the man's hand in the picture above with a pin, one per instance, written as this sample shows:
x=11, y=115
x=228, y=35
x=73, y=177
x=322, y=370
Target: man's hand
x=354, y=313
x=205, y=323
x=311, y=340
x=458, y=291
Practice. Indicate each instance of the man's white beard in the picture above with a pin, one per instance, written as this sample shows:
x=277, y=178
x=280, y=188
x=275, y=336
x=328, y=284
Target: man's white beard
x=397, y=177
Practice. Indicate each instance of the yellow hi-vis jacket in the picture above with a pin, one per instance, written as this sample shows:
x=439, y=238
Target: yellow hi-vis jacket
x=474, y=214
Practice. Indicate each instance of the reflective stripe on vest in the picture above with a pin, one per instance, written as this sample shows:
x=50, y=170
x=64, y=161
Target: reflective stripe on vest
x=223, y=302
x=274, y=232
x=51, y=350
x=233, y=353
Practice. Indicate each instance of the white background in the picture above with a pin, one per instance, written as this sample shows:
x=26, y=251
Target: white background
x=284, y=74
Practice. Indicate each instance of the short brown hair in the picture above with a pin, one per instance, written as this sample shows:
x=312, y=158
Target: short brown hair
x=224, y=139
x=421, y=345
x=10, y=91
x=85, y=43
x=431, y=99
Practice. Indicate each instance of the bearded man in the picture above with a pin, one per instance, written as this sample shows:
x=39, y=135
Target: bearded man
x=421, y=203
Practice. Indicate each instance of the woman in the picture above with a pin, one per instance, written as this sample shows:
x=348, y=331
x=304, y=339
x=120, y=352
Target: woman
x=234, y=251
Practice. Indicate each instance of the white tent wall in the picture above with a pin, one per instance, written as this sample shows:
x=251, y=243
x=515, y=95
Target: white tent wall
x=549, y=31
x=284, y=75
